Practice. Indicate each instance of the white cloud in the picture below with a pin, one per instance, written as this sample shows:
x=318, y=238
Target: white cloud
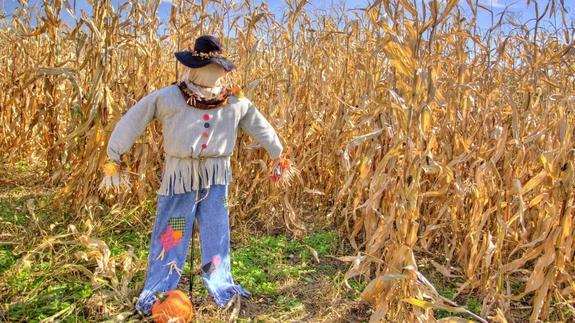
x=499, y=4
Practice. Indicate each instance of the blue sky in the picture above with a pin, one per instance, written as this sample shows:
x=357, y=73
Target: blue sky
x=518, y=8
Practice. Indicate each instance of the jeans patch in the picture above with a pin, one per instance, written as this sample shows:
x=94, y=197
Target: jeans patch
x=178, y=224
x=211, y=266
x=169, y=239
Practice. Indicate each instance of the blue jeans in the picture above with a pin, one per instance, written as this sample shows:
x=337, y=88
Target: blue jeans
x=171, y=237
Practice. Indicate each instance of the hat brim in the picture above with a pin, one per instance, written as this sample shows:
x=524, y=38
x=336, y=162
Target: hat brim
x=193, y=61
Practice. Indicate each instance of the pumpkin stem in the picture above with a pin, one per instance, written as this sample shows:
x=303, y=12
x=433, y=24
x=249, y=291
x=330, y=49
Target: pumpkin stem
x=161, y=296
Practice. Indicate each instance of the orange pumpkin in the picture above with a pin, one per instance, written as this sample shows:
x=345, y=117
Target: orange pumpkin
x=172, y=306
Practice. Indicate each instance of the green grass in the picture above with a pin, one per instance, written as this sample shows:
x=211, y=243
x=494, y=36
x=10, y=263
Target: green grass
x=23, y=166
x=448, y=289
x=7, y=259
x=51, y=300
x=288, y=303
x=357, y=286
x=38, y=295
x=9, y=211
x=263, y=263
x=27, y=279
x=120, y=242
x=474, y=305
x=322, y=241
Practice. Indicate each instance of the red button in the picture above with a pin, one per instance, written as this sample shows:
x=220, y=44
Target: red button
x=204, y=146
x=206, y=117
x=205, y=134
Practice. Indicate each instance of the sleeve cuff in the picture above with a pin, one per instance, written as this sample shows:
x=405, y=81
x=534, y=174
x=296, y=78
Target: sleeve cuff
x=275, y=152
x=114, y=156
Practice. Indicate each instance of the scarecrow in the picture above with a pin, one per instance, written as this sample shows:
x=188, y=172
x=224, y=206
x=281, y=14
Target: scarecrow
x=200, y=118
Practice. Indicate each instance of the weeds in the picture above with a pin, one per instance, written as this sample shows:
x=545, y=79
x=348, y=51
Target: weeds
x=265, y=265
x=262, y=264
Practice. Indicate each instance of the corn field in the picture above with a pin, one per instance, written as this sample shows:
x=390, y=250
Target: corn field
x=418, y=134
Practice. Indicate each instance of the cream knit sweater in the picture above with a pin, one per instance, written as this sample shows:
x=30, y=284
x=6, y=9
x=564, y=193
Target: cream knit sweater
x=197, y=143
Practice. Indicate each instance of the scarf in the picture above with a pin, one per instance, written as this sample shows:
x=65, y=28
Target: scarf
x=195, y=96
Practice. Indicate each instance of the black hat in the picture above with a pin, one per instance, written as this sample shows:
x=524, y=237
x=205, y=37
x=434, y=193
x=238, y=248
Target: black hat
x=207, y=49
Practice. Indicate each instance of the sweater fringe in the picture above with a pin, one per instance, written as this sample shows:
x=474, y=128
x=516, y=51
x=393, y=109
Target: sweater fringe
x=182, y=175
